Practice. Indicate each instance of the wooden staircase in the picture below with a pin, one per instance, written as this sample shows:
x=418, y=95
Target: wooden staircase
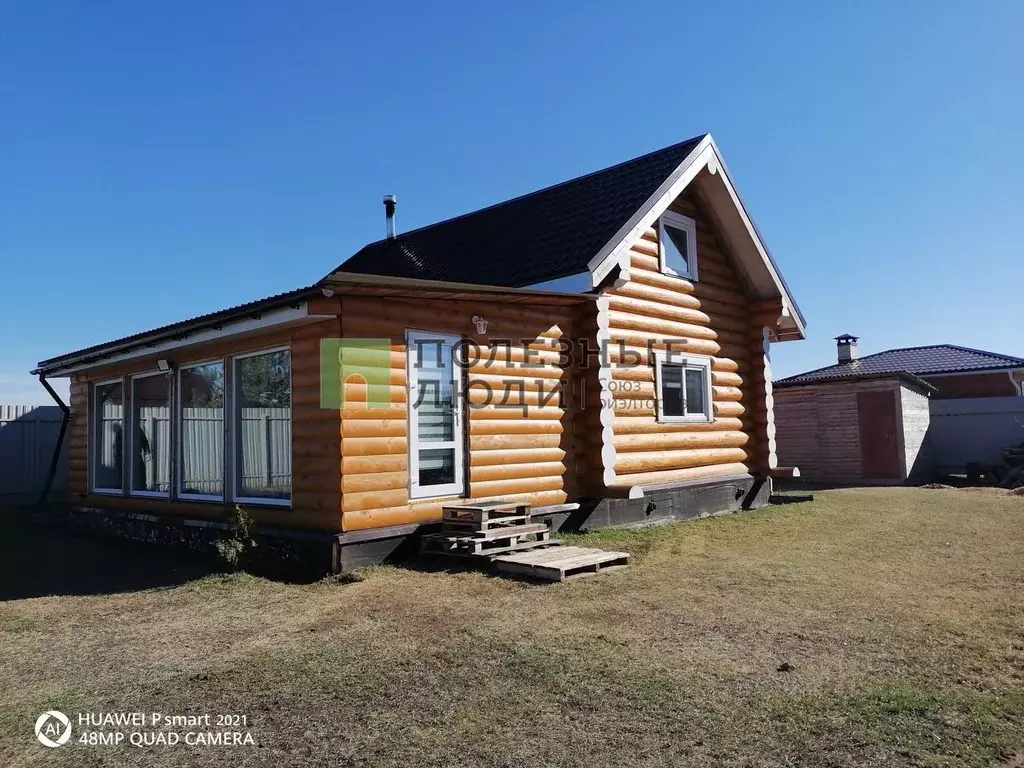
x=508, y=536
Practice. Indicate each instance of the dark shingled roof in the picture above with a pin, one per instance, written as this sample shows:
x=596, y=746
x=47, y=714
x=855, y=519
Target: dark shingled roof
x=537, y=237
x=919, y=361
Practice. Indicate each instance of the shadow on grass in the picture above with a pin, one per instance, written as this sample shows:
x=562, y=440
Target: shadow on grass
x=38, y=559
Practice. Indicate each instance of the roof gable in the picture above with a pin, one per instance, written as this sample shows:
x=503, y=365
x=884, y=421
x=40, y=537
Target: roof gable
x=936, y=359
x=584, y=225
x=533, y=238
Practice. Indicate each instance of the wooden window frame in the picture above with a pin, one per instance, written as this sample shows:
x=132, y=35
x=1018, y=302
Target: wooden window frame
x=688, y=226
x=700, y=362
x=132, y=490
x=455, y=489
x=234, y=462
x=94, y=435
x=179, y=449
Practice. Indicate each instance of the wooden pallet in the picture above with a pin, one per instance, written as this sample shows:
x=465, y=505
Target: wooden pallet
x=502, y=533
x=485, y=542
x=485, y=513
x=459, y=546
x=561, y=563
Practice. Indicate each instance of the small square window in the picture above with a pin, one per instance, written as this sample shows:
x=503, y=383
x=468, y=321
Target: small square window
x=677, y=238
x=683, y=388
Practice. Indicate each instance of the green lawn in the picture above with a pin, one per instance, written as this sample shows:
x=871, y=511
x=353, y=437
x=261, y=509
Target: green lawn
x=899, y=614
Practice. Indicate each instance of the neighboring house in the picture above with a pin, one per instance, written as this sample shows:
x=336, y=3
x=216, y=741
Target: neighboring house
x=867, y=419
x=469, y=368
x=953, y=371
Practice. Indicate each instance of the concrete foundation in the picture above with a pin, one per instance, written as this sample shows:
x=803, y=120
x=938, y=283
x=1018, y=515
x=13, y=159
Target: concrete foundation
x=291, y=554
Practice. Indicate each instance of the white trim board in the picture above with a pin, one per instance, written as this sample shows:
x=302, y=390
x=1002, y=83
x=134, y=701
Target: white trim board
x=268, y=320
x=705, y=155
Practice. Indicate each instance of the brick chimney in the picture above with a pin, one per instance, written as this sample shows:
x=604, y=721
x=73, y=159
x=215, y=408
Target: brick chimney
x=846, y=348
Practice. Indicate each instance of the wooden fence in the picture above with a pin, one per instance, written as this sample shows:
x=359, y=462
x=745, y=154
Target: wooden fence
x=28, y=434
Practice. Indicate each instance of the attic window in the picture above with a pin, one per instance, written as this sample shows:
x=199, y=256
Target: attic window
x=677, y=251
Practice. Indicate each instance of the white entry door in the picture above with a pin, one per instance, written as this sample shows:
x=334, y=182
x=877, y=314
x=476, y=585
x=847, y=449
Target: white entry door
x=435, y=416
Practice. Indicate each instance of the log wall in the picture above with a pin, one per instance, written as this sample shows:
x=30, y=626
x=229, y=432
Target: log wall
x=714, y=317
x=511, y=454
x=316, y=434
x=351, y=465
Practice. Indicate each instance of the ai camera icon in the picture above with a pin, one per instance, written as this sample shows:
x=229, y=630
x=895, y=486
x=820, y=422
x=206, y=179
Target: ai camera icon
x=53, y=728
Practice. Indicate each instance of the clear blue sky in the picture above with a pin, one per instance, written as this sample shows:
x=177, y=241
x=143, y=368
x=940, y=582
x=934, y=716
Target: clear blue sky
x=162, y=160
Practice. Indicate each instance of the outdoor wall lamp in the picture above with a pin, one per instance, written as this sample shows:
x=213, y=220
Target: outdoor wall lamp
x=163, y=364
x=480, y=323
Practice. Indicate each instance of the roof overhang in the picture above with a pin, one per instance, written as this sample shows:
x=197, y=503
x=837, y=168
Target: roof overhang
x=1010, y=369
x=356, y=284
x=904, y=377
x=706, y=170
x=288, y=309
x=255, y=317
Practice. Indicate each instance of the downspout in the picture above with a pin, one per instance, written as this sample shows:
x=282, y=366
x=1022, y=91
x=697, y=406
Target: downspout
x=60, y=440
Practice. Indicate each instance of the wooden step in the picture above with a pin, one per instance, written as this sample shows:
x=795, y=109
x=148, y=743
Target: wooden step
x=510, y=530
x=469, y=526
x=462, y=546
x=484, y=512
x=523, y=546
x=561, y=563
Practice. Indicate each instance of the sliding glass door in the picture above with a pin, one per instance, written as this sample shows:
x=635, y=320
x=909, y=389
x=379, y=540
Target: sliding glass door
x=435, y=416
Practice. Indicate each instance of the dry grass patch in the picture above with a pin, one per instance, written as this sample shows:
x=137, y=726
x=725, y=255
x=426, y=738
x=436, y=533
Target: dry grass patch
x=897, y=612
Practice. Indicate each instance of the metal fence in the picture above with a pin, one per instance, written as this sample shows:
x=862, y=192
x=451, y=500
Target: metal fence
x=974, y=429
x=28, y=435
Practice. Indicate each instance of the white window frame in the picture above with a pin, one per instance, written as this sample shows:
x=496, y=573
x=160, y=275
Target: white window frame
x=179, y=449
x=701, y=362
x=94, y=423
x=687, y=225
x=457, y=488
x=236, y=424
x=132, y=490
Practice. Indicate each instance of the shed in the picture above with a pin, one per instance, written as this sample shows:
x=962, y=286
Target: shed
x=866, y=429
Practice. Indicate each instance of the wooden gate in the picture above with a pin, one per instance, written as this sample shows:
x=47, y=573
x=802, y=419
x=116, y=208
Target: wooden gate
x=879, y=442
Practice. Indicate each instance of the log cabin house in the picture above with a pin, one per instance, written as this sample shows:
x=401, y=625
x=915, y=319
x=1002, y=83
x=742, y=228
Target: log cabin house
x=618, y=325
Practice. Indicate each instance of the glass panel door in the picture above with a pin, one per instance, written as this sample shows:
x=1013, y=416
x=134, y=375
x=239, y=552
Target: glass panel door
x=435, y=416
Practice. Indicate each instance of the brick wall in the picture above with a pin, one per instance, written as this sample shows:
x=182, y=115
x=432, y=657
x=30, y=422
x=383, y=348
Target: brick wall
x=973, y=385
x=817, y=429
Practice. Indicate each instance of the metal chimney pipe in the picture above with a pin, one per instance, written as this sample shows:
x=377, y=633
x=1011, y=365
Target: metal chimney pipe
x=390, y=203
